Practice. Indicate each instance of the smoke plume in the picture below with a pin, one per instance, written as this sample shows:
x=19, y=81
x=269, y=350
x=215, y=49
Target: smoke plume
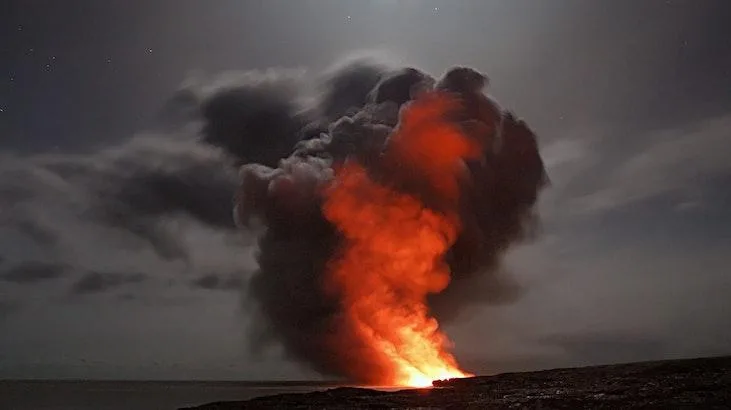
x=492, y=195
x=165, y=196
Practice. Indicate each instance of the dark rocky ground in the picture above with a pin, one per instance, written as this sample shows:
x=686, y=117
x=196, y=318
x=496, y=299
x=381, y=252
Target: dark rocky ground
x=693, y=383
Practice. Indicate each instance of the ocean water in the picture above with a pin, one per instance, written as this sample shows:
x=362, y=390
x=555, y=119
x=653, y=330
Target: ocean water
x=136, y=395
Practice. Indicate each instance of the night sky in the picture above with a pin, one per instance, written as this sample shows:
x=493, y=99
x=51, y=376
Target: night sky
x=631, y=102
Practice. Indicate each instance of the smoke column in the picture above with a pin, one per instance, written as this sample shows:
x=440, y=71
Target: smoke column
x=381, y=223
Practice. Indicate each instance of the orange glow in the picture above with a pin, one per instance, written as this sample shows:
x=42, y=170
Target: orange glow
x=394, y=246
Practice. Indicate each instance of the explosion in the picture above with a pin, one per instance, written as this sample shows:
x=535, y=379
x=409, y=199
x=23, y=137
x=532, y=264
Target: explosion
x=394, y=249
x=383, y=223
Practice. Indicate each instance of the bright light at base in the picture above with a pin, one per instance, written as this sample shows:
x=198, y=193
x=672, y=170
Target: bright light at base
x=420, y=380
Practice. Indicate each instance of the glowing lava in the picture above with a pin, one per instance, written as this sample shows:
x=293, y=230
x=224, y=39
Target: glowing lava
x=394, y=245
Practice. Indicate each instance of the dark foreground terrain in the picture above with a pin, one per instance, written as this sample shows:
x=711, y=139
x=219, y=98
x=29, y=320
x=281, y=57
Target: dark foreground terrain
x=694, y=383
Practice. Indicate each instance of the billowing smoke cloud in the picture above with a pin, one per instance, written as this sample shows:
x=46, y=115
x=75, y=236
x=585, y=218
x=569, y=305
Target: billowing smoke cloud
x=166, y=197
x=257, y=119
x=288, y=290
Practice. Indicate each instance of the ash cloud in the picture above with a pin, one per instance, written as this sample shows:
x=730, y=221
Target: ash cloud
x=99, y=282
x=347, y=88
x=257, y=121
x=34, y=272
x=166, y=196
x=214, y=281
x=496, y=206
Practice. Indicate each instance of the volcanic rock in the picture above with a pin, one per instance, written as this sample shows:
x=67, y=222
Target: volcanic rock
x=691, y=383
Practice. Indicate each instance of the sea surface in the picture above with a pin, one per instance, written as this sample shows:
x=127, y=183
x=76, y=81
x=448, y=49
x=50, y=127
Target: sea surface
x=136, y=395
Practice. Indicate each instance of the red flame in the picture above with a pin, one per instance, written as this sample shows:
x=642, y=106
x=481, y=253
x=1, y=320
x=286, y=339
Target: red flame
x=395, y=245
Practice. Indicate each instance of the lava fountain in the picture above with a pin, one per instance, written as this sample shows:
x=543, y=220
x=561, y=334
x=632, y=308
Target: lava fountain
x=395, y=241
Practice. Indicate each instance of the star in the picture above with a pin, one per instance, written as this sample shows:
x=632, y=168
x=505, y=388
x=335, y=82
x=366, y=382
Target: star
x=436, y=8
x=149, y=51
x=348, y=18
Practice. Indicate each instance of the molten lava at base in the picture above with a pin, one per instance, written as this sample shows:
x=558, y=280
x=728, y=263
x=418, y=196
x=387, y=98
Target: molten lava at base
x=394, y=247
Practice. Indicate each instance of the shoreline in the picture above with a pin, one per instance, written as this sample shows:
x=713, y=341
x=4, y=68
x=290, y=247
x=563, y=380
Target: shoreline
x=690, y=383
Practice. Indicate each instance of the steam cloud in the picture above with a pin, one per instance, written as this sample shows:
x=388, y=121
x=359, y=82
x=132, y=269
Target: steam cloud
x=287, y=291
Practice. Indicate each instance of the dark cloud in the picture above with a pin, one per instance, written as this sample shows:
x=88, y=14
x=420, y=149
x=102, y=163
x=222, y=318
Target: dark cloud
x=255, y=121
x=198, y=190
x=218, y=282
x=347, y=87
x=38, y=233
x=100, y=282
x=167, y=191
x=137, y=187
x=295, y=250
x=400, y=86
x=33, y=272
x=130, y=188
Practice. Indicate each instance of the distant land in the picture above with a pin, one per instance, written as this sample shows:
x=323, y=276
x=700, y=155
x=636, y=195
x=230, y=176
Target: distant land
x=691, y=383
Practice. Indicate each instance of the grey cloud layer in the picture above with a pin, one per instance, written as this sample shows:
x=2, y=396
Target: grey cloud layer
x=685, y=166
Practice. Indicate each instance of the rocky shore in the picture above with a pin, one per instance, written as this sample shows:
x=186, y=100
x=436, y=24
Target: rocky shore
x=692, y=383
